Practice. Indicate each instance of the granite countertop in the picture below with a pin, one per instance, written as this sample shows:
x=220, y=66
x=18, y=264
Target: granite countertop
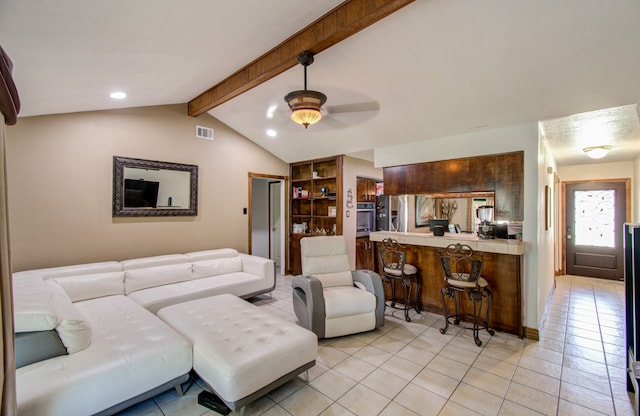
x=497, y=245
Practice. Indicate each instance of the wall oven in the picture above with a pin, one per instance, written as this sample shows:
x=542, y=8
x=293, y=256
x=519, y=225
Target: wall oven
x=366, y=218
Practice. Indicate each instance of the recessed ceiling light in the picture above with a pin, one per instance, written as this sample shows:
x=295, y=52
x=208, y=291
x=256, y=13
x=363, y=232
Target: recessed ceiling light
x=272, y=133
x=118, y=95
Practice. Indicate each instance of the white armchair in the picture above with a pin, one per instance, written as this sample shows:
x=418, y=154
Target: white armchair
x=331, y=300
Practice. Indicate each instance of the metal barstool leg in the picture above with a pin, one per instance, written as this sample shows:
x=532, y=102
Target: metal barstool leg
x=418, y=291
x=406, y=285
x=444, y=308
x=476, y=298
x=489, y=302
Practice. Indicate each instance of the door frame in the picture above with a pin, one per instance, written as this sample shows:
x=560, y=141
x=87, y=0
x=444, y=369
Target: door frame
x=283, y=214
x=563, y=226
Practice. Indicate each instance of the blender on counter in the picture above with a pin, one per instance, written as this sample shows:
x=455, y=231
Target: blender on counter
x=485, y=215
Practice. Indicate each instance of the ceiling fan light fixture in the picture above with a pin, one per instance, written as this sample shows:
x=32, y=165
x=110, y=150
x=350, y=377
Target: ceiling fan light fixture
x=305, y=104
x=596, y=152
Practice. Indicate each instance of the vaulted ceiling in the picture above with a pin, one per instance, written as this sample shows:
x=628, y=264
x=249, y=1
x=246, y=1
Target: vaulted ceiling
x=431, y=69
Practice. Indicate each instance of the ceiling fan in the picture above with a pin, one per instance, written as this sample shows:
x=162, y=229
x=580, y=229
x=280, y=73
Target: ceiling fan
x=306, y=105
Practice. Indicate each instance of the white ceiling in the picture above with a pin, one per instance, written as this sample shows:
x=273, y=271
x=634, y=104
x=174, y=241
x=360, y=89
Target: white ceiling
x=434, y=68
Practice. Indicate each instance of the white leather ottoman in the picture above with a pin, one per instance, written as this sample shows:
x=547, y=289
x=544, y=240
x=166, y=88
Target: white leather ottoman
x=241, y=351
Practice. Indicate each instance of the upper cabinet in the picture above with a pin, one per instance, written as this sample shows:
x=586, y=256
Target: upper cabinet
x=366, y=189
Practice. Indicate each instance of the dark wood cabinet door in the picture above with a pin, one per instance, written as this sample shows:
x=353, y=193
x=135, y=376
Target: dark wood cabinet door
x=365, y=256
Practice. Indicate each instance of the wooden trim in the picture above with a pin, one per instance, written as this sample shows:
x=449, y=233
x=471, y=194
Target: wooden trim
x=531, y=333
x=340, y=23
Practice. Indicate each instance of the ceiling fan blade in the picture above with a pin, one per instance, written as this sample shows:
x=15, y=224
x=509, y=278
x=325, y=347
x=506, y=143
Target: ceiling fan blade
x=332, y=122
x=353, y=107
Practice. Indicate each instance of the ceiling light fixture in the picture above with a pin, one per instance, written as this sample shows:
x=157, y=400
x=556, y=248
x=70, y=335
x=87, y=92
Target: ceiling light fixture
x=597, y=152
x=118, y=95
x=305, y=104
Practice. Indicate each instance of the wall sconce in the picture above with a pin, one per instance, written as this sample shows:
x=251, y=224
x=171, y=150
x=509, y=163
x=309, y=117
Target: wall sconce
x=597, y=152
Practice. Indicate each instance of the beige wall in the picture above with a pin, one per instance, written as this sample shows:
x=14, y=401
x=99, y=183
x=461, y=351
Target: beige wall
x=60, y=185
x=594, y=171
x=352, y=168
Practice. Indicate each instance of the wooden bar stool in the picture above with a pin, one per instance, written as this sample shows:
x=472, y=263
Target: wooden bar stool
x=393, y=268
x=462, y=268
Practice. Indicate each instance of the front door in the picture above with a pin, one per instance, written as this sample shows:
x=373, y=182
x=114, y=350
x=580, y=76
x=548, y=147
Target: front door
x=596, y=212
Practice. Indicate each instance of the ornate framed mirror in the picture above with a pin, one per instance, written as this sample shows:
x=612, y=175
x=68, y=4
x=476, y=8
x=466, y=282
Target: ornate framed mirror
x=145, y=188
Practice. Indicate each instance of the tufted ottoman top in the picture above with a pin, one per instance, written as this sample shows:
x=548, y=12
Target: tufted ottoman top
x=239, y=348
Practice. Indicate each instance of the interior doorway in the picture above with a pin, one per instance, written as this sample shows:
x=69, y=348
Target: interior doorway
x=595, y=212
x=266, y=218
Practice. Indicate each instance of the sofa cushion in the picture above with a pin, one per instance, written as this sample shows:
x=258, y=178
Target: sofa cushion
x=335, y=279
x=32, y=347
x=137, y=279
x=132, y=352
x=92, y=286
x=74, y=331
x=80, y=269
x=33, y=309
x=217, y=267
x=211, y=254
x=239, y=284
x=154, y=261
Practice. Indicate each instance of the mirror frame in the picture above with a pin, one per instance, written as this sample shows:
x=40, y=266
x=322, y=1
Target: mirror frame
x=119, y=163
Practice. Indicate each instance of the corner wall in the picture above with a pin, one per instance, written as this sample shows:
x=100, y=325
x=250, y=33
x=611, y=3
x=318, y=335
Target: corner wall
x=351, y=169
x=60, y=185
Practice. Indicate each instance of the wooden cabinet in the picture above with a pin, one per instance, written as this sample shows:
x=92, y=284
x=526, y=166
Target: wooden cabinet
x=365, y=254
x=315, y=203
x=366, y=189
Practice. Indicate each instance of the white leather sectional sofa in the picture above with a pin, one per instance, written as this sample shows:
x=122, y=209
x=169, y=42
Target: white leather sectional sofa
x=87, y=337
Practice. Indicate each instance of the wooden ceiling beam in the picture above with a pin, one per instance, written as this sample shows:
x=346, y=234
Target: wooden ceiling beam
x=345, y=20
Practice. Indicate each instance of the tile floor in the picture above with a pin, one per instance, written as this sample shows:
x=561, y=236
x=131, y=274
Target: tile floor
x=577, y=367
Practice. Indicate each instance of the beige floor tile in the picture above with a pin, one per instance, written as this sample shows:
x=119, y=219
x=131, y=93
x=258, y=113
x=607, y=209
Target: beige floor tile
x=363, y=401
x=536, y=351
x=401, y=367
x=493, y=366
x=486, y=381
x=286, y=390
x=481, y=401
x=465, y=356
x=585, y=365
x=454, y=409
x=420, y=401
x=573, y=409
x=274, y=411
x=336, y=410
x=374, y=356
x=394, y=409
x=537, y=380
x=354, y=368
x=514, y=409
x=587, y=353
x=501, y=354
x=448, y=367
x=430, y=343
x=330, y=356
x=347, y=344
x=436, y=382
x=593, y=382
x=388, y=344
x=333, y=384
x=541, y=366
x=306, y=402
x=533, y=399
x=416, y=355
x=385, y=383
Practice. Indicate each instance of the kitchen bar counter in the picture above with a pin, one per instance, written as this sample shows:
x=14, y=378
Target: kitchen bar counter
x=501, y=268
x=499, y=246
